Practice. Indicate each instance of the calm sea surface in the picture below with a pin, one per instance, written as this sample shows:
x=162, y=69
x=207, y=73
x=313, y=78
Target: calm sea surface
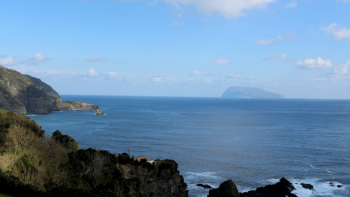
x=254, y=142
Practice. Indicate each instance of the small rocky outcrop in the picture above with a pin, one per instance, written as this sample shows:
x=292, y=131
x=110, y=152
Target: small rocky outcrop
x=99, y=112
x=307, y=186
x=281, y=189
x=65, y=140
x=75, y=105
x=226, y=189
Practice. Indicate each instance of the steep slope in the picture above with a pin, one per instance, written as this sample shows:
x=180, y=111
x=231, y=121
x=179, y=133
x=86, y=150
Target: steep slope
x=16, y=88
x=248, y=92
x=45, y=88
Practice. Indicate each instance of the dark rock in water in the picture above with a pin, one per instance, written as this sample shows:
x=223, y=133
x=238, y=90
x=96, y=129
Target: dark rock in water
x=226, y=189
x=65, y=140
x=339, y=186
x=307, y=186
x=281, y=189
x=204, y=186
x=331, y=184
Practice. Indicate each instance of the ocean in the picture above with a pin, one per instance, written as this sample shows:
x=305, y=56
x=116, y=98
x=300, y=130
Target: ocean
x=254, y=142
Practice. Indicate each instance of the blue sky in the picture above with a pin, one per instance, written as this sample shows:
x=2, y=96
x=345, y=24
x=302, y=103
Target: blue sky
x=195, y=48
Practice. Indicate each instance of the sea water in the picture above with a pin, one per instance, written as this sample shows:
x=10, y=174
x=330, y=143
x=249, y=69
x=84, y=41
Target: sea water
x=254, y=142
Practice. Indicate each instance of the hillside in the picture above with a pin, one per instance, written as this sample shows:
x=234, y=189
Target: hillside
x=248, y=92
x=39, y=165
x=45, y=88
x=19, y=94
x=23, y=93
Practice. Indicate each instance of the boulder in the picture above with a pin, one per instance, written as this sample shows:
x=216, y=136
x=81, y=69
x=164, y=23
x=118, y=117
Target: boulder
x=281, y=189
x=226, y=189
x=307, y=186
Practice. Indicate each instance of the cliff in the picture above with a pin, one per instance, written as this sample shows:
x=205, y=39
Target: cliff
x=39, y=165
x=23, y=93
x=19, y=94
x=45, y=88
x=248, y=92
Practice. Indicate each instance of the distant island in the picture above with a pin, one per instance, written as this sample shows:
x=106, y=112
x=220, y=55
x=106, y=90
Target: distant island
x=248, y=92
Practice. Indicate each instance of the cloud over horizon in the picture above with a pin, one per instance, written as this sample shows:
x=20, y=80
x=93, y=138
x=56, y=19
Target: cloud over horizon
x=318, y=63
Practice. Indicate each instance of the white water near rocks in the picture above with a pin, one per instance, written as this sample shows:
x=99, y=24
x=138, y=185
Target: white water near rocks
x=253, y=142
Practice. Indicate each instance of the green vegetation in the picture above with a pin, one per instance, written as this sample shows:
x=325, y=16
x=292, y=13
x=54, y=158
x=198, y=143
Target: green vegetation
x=5, y=195
x=43, y=165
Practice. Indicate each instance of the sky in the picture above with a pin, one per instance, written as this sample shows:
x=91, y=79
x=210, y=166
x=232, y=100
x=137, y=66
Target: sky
x=185, y=48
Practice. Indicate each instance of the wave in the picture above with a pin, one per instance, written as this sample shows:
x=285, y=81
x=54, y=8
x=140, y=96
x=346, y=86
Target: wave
x=321, y=188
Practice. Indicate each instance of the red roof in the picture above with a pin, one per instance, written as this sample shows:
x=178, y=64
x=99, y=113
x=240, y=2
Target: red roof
x=139, y=159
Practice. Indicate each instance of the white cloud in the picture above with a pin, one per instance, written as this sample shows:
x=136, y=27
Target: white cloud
x=95, y=59
x=288, y=36
x=214, y=73
x=7, y=60
x=279, y=57
x=292, y=4
x=118, y=76
x=158, y=78
x=337, y=32
x=341, y=70
x=227, y=8
x=234, y=75
x=220, y=62
x=92, y=72
x=204, y=72
x=37, y=58
x=318, y=63
x=196, y=72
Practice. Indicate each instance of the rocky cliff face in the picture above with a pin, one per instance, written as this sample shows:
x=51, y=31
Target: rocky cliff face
x=19, y=94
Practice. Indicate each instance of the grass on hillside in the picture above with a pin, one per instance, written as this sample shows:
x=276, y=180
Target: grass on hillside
x=5, y=195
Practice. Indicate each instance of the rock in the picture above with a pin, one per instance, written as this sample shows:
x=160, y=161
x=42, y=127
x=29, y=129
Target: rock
x=281, y=189
x=226, y=189
x=65, y=140
x=307, y=186
x=99, y=112
x=204, y=186
x=339, y=186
